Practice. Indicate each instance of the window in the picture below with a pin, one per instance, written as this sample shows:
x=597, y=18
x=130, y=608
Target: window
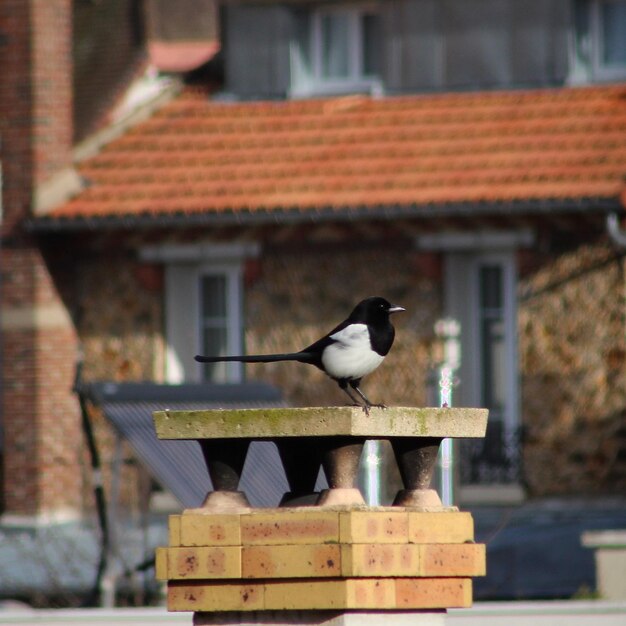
x=492, y=337
x=600, y=42
x=214, y=321
x=219, y=322
x=203, y=308
x=609, y=24
x=203, y=316
x=480, y=294
x=336, y=50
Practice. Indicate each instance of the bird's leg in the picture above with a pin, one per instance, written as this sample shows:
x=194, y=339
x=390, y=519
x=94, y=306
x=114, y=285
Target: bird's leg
x=355, y=401
x=343, y=384
x=368, y=404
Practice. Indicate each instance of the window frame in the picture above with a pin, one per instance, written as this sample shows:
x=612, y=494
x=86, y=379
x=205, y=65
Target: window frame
x=464, y=255
x=184, y=265
x=506, y=263
x=357, y=80
x=588, y=45
x=601, y=70
x=232, y=272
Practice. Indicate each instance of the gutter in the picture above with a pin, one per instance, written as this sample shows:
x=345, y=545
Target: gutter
x=296, y=215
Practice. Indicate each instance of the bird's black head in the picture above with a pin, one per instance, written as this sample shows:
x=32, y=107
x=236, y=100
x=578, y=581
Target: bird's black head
x=375, y=310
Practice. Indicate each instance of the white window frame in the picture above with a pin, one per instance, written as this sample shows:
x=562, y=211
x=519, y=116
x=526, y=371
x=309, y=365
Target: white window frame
x=587, y=48
x=462, y=300
x=232, y=272
x=506, y=262
x=356, y=80
x=463, y=254
x=601, y=70
x=185, y=265
x=462, y=296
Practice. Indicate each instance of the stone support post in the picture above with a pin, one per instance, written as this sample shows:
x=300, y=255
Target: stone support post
x=330, y=559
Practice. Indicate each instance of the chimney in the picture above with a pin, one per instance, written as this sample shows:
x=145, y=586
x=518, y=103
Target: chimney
x=40, y=419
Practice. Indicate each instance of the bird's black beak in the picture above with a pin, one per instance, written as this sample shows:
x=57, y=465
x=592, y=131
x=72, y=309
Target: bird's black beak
x=394, y=308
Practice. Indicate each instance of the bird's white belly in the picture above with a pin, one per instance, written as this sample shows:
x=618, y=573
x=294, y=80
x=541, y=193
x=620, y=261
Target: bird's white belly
x=352, y=355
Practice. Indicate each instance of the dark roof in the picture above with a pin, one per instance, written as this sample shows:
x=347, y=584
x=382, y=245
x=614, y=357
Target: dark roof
x=178, y=465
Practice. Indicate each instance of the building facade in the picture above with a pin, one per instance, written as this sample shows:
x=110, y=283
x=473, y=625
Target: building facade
x=458, y=158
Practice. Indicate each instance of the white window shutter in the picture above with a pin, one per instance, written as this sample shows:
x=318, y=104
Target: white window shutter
x=181, y=322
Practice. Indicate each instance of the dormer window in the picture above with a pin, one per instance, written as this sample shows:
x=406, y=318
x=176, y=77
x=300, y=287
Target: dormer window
x=609, y=24
x=337, y=50
x=600, y=49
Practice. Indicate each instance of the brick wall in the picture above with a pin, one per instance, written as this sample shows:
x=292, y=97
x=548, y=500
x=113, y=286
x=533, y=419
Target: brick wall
x=571, y=339
x=121, y=319
x=51, y=84
x=573, y=372
x=108, y=36
x=302, y=294
x=185, y=20
x=40, y=419
x=15, y=109
x=39, y=414
x=294, y=297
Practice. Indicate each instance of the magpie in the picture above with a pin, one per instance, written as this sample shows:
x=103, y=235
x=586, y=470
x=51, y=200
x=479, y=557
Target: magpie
x=350, y=351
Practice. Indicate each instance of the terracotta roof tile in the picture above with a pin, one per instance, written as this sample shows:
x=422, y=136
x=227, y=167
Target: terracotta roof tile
x=197, y=156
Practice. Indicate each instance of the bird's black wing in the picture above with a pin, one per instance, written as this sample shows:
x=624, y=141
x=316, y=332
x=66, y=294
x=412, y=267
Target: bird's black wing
x=316, y=349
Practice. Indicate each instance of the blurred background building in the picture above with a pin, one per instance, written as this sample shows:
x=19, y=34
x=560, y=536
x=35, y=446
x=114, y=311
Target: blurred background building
x=215, y=177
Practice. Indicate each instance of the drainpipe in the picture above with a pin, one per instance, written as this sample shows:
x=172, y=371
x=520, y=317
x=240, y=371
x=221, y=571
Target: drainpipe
x=617, y=235
x=97, y=483
x=448, y=330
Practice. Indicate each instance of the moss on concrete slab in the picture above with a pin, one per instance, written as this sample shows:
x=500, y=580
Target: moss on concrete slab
x=320, y=422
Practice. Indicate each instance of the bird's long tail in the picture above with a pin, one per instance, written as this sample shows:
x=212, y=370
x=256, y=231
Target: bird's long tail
x=302, y=357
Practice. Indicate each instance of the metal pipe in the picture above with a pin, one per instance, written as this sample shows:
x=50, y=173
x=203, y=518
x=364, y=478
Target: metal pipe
x=449, y=332
x=80, y=390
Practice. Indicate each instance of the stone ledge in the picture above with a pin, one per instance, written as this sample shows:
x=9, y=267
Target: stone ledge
x=321, y=422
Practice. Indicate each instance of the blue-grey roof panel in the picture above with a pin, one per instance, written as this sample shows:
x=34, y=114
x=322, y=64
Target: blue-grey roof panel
x=179, y=465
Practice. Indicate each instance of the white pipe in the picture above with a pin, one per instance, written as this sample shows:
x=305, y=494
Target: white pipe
x=615, y=232
x=372, y=472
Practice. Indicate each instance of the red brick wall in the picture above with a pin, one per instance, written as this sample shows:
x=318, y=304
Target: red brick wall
x=107, y=36
x=51, y=80
x=42, y=438
x=35, y=99
x=15, y=111
x=39, y=413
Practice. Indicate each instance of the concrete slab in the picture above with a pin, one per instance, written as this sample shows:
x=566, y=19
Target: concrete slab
x=321, y=422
